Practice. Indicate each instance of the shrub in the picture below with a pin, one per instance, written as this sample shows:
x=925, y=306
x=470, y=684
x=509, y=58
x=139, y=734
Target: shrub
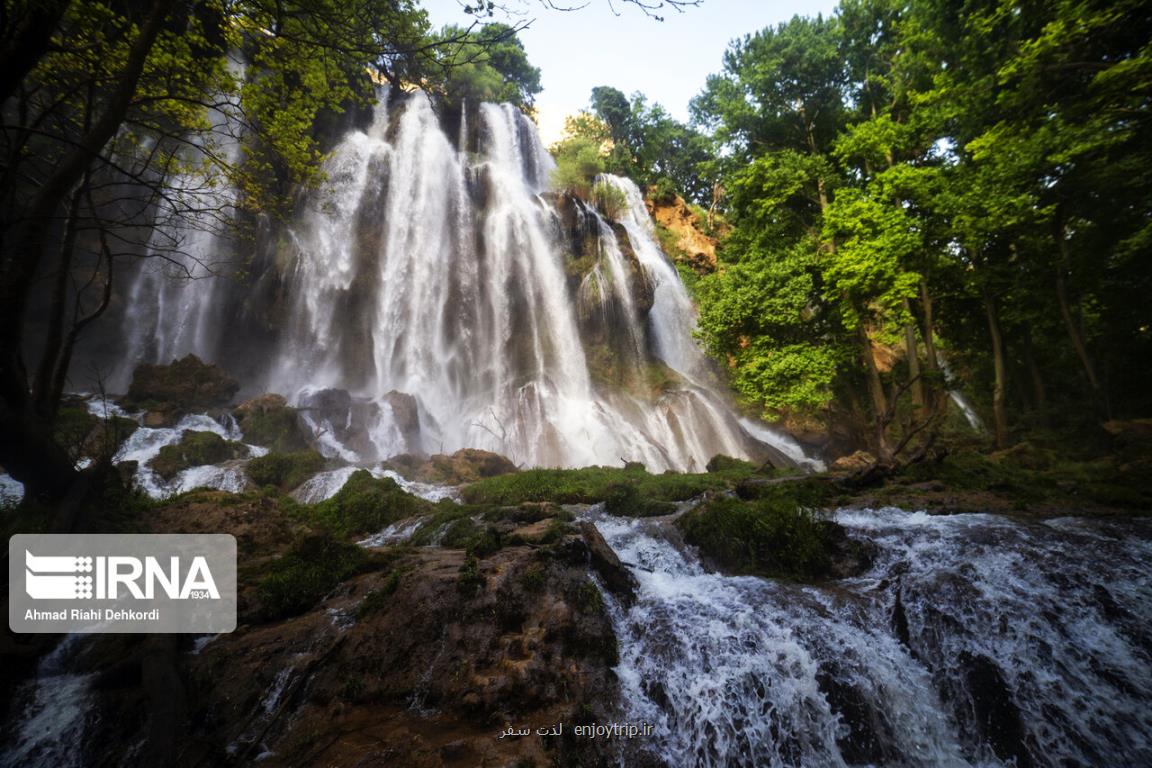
x=578, y=161
x=610, y=199
x=664, y=191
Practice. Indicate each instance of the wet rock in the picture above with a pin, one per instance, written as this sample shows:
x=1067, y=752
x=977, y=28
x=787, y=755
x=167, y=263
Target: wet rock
x=996, y=717
x=847, y=557
x=184, y=386
x=616, y=577
x=270, y=422
x=345, y=418
x=407, y=416
x=465, y=466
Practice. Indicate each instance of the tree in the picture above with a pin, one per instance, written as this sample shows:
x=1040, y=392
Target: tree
x=488, y=64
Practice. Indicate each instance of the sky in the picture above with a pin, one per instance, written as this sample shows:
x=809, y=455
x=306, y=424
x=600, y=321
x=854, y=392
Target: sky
x=668, y=61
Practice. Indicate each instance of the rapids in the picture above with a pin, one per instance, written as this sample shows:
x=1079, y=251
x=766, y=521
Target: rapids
x=974, y=640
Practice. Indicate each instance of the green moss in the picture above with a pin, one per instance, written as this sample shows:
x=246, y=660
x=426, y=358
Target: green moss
x=591, y=485
x=556, y=530
x=533, y=578
x=301, y=578
x=366, y=504
x=470, y=581
x=275, y=428
x=587, y=598
x=284, y=470
x=721, y=463
x=625, y=500
x=765, y=537
x=195, y=449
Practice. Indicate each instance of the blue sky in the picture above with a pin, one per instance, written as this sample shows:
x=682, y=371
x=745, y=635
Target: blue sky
x=668, y=61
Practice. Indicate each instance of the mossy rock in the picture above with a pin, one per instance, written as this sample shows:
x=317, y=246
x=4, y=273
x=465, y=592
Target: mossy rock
x=195, y=449
x=761, y=538
x=625, y=500
x=270, y=422
x=183, y=386
x=465, y=466
x=284, y=470
x=721, y=463
x=367, y=504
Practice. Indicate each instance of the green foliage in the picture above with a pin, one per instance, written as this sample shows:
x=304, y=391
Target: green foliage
x=470, y=581
x=488, y=64
x=764, y=537
x=609, y=198
x=643, y=143
x=578, y=162
x=722, y=463
x=195, y=449
x=284, y=470
x=301, y=578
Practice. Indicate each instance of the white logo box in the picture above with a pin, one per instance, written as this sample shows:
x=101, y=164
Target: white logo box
x=122, y=583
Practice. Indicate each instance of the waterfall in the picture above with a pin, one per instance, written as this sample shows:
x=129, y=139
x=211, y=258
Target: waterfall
x=174, y=302
x=429, y=299
x=973, y=640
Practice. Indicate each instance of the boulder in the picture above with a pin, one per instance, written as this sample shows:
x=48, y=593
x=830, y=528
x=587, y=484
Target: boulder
x=465, y=466
x=269, y=421
x=617, y=579
x=345, y=418
x=184, y=386
x=853, y=462
x=195, y=449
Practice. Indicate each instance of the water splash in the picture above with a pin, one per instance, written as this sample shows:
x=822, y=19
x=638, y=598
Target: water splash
x=974, y=640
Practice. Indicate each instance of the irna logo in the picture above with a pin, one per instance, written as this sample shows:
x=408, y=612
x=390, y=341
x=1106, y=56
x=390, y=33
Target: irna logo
x=104, y=582
x=67, y=577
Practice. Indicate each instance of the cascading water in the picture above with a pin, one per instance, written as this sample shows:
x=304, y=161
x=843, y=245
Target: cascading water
x=973, y=640
x=421, y=272
x=174, y=302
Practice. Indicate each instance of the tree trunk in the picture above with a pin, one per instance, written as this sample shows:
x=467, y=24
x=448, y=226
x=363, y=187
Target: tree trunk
x=28, y=450
x=876, y=393
x=1074, y=332
x=912, y=351
x=999, y=414
x=1039, y=391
